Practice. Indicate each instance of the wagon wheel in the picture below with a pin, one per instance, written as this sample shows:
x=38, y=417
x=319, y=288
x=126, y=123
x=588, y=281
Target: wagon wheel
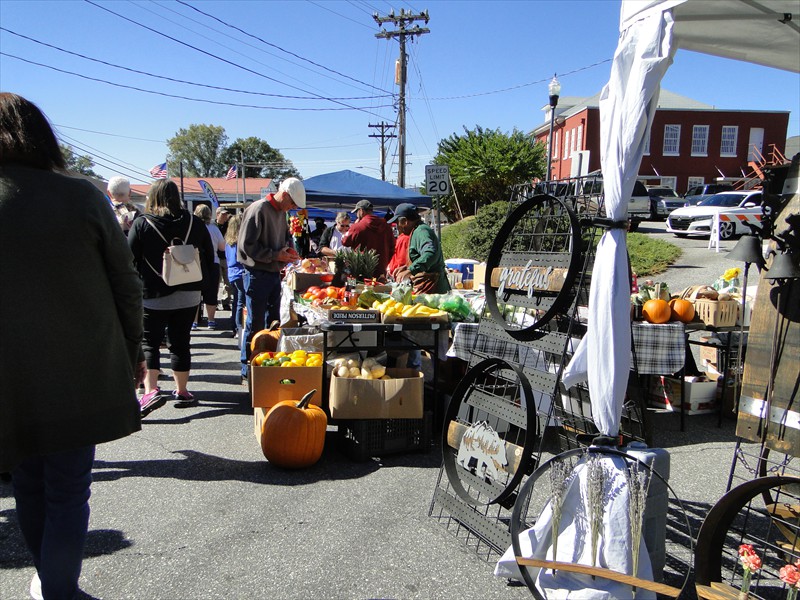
x=490, y=432
x=773, y=529
x=535, y=494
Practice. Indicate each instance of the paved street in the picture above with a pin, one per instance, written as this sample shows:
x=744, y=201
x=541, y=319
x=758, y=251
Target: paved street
x=189, y=508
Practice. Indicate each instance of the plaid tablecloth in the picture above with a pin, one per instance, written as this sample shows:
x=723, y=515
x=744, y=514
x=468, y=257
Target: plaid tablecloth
x=660, y=349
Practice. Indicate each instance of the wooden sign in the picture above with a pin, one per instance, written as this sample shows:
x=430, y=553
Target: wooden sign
x=528, y=279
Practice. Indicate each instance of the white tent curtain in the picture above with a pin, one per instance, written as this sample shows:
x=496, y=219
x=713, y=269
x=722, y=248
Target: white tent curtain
x=627, y=106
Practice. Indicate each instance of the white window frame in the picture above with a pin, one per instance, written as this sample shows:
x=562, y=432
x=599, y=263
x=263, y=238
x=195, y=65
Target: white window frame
x=700, y=140
x=731, y=142
x=647, y=146
x=554, y=149
x=579, y=143
x=694, y=181
x=566, y=143
x=674, y=149
x=669, y=181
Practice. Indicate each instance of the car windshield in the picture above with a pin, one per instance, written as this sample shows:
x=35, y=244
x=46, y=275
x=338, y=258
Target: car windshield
x=723, y=200
x=664, y=192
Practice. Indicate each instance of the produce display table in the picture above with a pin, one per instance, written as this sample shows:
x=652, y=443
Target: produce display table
x=395, y=336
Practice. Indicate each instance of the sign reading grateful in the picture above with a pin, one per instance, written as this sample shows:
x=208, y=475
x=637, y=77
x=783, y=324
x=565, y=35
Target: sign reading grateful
x=528, y=279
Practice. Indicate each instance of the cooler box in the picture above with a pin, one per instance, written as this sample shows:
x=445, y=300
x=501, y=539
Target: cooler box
x=464, y=265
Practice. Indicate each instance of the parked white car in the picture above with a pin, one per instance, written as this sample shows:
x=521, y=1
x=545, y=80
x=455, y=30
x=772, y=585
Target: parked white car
x=735, y=209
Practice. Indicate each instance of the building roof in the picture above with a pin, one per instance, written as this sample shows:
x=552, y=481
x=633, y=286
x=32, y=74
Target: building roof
x=666, y=101
x=220, y=185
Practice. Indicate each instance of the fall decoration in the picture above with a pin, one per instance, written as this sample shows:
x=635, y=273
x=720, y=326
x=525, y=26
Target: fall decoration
x=682, y=310
x=656, y=311
x=265, y=340
x=293, y=434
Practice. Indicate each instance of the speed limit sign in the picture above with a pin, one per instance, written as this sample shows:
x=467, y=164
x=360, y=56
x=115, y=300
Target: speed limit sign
x=437, y=180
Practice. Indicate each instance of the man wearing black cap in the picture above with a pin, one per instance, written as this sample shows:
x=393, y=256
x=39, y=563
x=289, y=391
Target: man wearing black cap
x=426, y=268
x=371, y=233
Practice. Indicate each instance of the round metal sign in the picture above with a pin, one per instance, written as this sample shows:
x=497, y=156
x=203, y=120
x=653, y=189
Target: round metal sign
x=532, y=266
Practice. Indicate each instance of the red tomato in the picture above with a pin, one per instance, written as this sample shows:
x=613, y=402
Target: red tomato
x=313, y=289
x=321, y=295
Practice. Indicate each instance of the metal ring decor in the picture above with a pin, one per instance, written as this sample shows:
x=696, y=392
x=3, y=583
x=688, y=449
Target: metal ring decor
x=522, y=515
x=532, y=266
x=489, y=433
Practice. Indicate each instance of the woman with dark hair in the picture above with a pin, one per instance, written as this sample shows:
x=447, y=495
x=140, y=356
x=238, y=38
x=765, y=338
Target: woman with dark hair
x=60, y=236
x=168, y=310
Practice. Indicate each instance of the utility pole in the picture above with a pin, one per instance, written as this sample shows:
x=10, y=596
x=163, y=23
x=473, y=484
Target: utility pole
x=384, y=136
x=401, y=21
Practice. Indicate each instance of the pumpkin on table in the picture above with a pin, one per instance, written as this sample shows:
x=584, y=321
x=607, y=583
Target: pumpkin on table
x=682, y=310
x=656, y=311
x=293, y=434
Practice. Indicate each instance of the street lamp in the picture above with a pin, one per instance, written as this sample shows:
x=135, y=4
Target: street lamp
x=553, y=90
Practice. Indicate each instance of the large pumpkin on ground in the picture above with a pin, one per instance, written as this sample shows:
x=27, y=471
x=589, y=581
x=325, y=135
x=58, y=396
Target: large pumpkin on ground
x=265, y=340
x=293, y=434
x=682, y=310
x=656, y=311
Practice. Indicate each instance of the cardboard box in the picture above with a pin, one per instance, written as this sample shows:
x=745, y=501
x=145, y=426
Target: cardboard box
x=300, y=282
x=708, y=353
x=259, y=414
x=665, y=394
x=479, y=274
x=270, y=385
x=398, y=398
x=354, y=316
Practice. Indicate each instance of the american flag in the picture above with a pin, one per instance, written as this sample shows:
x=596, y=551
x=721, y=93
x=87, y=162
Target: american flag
x=231, y=173
x=159, y=171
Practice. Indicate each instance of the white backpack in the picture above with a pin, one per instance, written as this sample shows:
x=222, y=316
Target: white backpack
x=181, y=262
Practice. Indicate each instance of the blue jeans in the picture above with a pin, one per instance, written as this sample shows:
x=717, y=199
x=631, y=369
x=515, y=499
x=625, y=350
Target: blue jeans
x=262, y=292
x=52, y=494
x=237, y=303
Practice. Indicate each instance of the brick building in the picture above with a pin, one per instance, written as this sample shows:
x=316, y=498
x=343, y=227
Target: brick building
x=690, y=142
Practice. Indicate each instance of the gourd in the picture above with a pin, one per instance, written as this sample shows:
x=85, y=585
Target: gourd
x=682, y=310
x=656, y=311
x=293, y=434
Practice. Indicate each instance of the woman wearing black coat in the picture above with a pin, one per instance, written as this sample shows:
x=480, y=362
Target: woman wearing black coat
x=168, y=311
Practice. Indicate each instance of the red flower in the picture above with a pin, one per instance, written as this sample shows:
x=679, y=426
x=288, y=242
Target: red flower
x=790, y=574
x=746, y=549
x=751, y=562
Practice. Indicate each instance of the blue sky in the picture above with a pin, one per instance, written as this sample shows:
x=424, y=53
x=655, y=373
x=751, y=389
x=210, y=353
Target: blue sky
x=483, y=63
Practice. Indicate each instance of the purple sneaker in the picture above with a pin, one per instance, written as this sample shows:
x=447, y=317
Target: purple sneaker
x=183, y=400
x=149, y=402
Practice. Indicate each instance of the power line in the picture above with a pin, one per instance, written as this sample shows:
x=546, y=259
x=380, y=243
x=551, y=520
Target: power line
x=109, y=134
x=165, y=94
x=175, y=80
x=290, y=53
x=224, y=60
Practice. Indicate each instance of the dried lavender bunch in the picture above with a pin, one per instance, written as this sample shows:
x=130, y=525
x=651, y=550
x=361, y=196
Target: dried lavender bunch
x=638, y=477
x=560, y=477
x=595, y=487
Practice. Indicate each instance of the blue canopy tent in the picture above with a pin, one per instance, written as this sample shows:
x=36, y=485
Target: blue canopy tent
x=344, y=188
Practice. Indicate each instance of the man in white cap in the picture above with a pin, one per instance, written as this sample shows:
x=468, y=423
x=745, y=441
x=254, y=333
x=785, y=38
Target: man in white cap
x=264, y=248
x=119, y=191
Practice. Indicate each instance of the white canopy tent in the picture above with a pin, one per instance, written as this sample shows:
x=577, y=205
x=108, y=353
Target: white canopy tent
x=765, y=32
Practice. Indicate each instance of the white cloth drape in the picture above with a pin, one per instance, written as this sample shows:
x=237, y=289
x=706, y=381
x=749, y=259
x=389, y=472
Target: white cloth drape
x=627, y=106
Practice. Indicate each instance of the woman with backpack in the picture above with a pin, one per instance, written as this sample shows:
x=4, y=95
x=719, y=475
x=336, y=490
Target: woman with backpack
x=168, y=310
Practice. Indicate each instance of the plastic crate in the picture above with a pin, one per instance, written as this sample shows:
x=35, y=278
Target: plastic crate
x=717, y=313
x=363, y=439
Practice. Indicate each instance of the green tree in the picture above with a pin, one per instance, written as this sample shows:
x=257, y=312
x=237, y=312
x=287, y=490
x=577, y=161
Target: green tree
x=473, y=236
x=256, y=150
x=485, y=164
x=78, y=164
x=199, y=148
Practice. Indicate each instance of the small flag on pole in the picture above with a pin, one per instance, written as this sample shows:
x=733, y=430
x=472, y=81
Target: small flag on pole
x=231, y=173
x=159, y=171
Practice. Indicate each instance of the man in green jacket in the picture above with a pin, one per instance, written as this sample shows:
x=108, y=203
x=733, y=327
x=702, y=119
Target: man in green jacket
x=426, y=268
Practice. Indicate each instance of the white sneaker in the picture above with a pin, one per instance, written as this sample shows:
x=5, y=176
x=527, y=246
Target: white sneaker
x=36, y=587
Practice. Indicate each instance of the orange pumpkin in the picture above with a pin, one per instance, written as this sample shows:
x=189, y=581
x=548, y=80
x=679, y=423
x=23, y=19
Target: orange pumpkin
x=293, y=435
x=682, y=310
x=265, y=340
x=656, y=311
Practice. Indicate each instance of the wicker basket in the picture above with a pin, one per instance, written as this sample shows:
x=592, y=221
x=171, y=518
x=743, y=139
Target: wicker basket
x=717, y=313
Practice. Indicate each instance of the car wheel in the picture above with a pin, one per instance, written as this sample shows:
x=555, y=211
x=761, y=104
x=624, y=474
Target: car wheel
x=634, y=225
x=726, y=230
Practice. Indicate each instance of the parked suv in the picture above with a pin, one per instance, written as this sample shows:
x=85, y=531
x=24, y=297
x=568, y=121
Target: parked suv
x=638, y=206
x=698, y=193
x=663, y=200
